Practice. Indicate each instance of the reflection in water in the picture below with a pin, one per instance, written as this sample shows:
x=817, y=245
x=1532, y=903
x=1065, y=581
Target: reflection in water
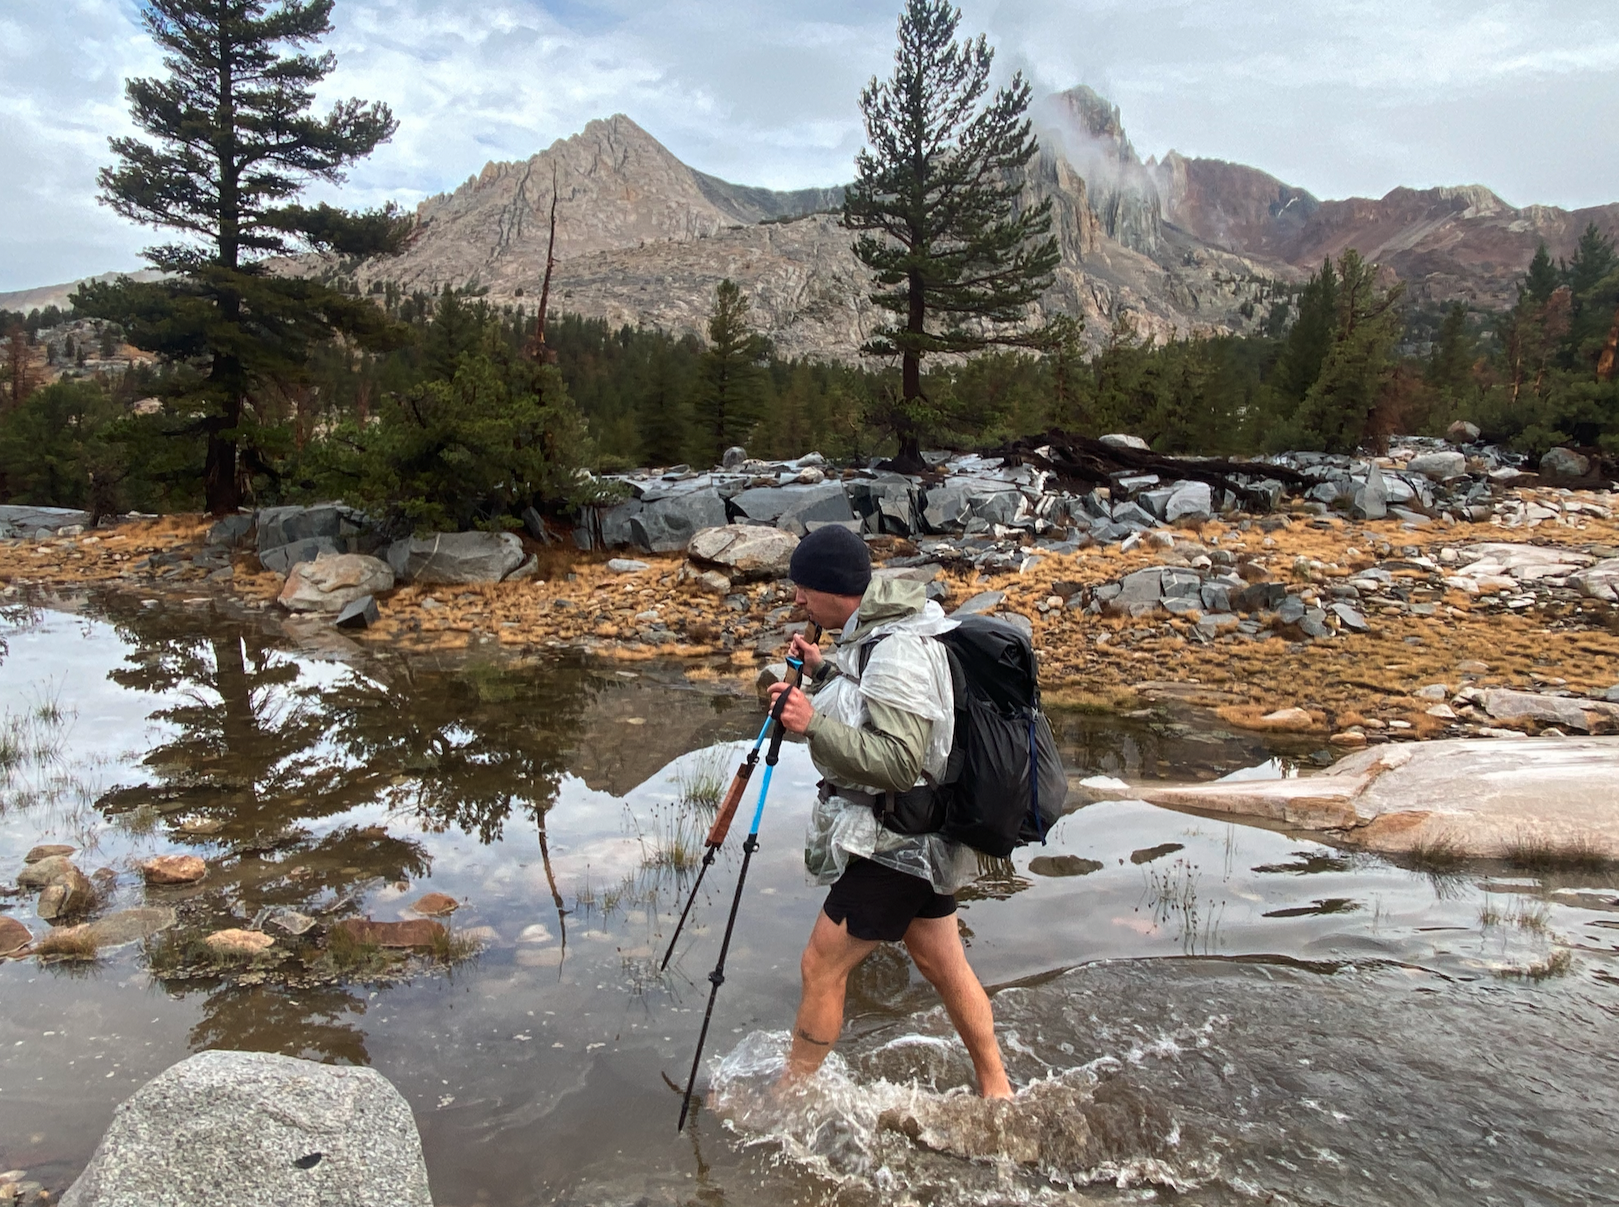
x=262, y=757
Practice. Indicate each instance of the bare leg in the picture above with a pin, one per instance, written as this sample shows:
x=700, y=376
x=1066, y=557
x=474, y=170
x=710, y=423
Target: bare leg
x=831, y=956
x=935, y=945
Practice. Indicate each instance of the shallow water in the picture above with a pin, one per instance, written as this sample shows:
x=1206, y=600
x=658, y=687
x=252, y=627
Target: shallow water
x=1191, y=1007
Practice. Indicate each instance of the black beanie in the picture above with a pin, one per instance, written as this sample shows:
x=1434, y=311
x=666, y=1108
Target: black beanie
x=832, y=559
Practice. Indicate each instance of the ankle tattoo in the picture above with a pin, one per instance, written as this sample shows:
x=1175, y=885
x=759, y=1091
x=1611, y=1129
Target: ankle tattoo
x=810, y=1039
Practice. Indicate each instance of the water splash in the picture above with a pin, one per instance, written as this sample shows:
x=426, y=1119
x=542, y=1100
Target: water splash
x=1073, y=1127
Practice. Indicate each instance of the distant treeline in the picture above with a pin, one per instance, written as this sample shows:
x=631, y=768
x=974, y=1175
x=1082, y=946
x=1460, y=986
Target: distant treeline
x=467, y=402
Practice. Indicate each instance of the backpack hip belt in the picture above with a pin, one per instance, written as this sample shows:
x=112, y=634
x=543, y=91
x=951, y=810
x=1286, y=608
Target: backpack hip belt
x=913, y=811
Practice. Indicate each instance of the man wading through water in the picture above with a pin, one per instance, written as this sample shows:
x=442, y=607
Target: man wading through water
x=881, y=723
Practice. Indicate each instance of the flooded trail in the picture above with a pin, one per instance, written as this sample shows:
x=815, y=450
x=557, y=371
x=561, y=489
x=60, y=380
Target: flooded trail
x=1192, y=1008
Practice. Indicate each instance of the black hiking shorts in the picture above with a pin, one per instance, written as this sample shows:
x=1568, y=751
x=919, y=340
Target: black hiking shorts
x=879, y=903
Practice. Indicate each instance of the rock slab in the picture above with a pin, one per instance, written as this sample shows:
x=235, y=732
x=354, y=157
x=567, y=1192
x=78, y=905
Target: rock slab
x=1481, y=797
x=746, y=551
x=254, y=1129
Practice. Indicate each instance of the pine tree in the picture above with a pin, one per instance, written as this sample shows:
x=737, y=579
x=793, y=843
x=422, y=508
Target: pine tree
x=1450, y=365
x=1541, y=278
x=731, y=382
x=230, y=144
x=1335, y=414
x=935, y=200
x=1311, y=335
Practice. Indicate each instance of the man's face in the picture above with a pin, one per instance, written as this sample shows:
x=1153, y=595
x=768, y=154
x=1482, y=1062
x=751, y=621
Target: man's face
x=827, y=610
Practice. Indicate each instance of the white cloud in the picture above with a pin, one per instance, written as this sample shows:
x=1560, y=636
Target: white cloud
x=1338, y=98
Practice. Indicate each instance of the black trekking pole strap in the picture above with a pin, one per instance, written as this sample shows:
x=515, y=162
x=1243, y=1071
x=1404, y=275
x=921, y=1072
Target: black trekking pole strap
x=749, y=846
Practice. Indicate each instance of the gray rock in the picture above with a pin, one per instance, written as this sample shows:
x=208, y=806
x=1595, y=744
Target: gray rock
x=996, y=507
x=1120, y=440
x=1190, y=501
x=279, y=526
x=746, y=551
x=258, y=1130
x=331, y=583
x=1261, y=597
x=1600, y=581
x=1504, y=704
x=1020, y=622
x=824, y=504
x=1462, y=432
x=1129, y=515
x=1564, y=463
x=1350, y=618
x=984, y=601
x=1612, y=694
x=130, y=926
x=1181, y=584
x=1143, y=586
x=764, y=504
x=734, y=457
x=527, y=570
x=626, y=565
x=231, y=531
x=668, y=525
x=534, y=525
x=1290, y=610
x=456, y=557
x=615, y=524
x=50, y=520
x=946, y=508
x=1155, y=500
x=282, y=558
x=1438, y=466
x=1216, y=597
x=359, y=613
x=1371, y=500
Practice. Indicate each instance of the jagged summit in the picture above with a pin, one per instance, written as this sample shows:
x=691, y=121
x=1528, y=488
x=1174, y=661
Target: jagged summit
x=1173, y=247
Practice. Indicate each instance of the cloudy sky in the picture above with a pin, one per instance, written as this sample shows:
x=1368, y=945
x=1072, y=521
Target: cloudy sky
x=1342, y=97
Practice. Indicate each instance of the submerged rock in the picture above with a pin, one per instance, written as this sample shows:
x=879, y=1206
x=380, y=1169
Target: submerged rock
x=174, y=869
x=253, y=1127
x=436, y=905
x=416, y=933
x=1478, y=798
x=14, y=936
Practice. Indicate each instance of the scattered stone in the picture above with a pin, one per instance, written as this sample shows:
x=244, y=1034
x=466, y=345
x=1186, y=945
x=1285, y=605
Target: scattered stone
x=416, y=933
x=984, y=601
x=1600, y=581
x=1504, y=704
x=282, y=558
x=129, y=926
x=436, y=905
x=456, y=557
x=1564, y=463
x=238, y=942
x=1063, y=865
x=1472, y=666
x=529, y=569
x=1438, y=466
x=1288, y=719
x=14, y=936
x=1443, y=711
x=252, y=1128
x=291, y=921
x=1371, y=500
x=1433, y=691
x=1121, y=440
x=1462, y=432
x=361, y=613
x=734, y=457
x=626, y=565
x=1191, y=502
x=1349, y=739
x=47, y=851
x=174, y=869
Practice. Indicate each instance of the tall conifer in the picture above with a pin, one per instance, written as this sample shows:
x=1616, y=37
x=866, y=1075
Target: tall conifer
x=935, y=202
x=229, y=145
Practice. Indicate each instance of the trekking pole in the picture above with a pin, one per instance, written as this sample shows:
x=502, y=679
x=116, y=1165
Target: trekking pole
x=717, y=977
x=733, y=797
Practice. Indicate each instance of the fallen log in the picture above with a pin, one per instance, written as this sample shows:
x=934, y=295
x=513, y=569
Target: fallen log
x=1083, y=462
